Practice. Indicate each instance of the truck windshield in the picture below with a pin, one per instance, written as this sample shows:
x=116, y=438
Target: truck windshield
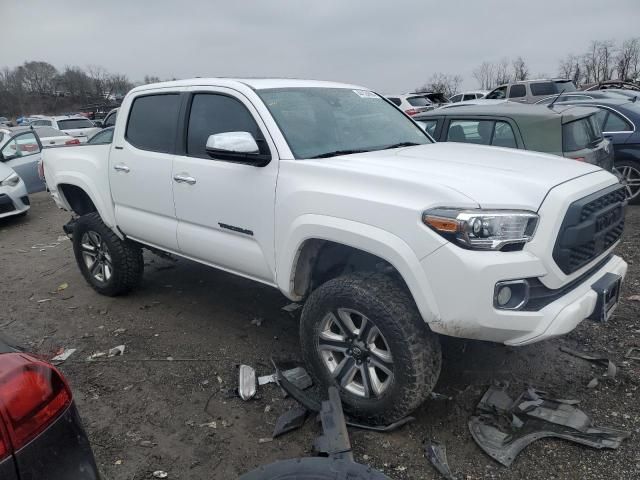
x=323, y=122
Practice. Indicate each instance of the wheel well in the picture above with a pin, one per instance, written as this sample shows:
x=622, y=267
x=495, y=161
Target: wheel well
x=319, y=261
x=77, y=199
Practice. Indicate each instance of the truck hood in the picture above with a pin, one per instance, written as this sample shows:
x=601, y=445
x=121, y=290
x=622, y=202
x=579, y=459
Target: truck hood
x=491, y=177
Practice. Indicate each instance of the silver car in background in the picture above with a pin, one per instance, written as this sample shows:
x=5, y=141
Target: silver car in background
x=14, y=199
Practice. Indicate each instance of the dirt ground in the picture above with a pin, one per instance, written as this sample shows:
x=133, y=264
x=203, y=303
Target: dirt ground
x=188, y=328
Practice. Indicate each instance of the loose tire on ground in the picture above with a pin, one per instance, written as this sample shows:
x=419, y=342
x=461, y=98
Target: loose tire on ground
x=124, y=257
x=414, y=349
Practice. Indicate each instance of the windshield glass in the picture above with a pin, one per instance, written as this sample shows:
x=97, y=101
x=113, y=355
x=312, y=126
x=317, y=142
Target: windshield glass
x=581, y=134
x=73, y=123
x=418, y=101
x=318, y=121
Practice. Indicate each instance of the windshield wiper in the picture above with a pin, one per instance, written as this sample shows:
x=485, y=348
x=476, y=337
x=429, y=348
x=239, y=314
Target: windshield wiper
x=338, y=152
x=401, y=144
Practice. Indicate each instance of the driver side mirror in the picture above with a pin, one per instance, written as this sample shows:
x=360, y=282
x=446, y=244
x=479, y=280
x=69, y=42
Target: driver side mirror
x=238, y=147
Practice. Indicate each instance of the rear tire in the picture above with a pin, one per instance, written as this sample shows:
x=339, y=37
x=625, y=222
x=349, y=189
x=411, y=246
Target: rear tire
x=629, y=170
x=111, y=266
x=393, y=359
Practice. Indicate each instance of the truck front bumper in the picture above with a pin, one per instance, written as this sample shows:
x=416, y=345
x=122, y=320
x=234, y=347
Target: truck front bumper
x=463, y=284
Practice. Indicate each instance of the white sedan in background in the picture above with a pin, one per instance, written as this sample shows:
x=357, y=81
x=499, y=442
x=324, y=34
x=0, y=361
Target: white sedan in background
x=75, y=125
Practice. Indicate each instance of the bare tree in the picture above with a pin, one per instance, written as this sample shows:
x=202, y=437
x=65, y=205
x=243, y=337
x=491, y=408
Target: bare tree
x=606, y=65
x=38, y=77
x=628, y=58
x=571, y=68
x=98, y=77
x=485, y=75
x=443, y=83
x=150, y=79
x=520, y=70
x=502, y=72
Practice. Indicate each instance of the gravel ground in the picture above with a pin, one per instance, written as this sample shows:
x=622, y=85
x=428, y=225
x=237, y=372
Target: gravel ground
x=145, y=412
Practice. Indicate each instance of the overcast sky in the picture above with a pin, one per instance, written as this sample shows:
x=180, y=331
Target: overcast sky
x=391, y=47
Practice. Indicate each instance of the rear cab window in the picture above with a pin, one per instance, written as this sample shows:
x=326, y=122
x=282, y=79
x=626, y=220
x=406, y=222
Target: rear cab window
x=153, y=122
x=75, y=124
x=517, y=91
x=581, y=134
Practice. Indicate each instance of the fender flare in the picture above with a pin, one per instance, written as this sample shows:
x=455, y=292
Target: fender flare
x=368, y=238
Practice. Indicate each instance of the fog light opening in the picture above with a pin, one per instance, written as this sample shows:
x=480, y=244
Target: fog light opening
x=511, y=294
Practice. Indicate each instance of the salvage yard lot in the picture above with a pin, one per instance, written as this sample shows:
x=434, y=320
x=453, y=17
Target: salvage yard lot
x=188, y=328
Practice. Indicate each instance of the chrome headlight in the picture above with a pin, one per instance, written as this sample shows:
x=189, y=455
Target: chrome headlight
x=482, y=229
x=11, y=181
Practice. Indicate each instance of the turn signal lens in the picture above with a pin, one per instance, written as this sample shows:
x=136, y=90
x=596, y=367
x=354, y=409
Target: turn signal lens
x=440, y=224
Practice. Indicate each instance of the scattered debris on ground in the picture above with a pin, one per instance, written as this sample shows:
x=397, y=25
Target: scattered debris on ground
x=436, y=452
x=290, y=420
x=503, y=427
x=247, y=382
x=62, y=356
x=160, y=474
x=631, y=353
x=602, y=359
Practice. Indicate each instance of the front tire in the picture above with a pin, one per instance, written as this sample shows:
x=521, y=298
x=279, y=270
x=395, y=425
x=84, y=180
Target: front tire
x=111, y=266
x=363, y=334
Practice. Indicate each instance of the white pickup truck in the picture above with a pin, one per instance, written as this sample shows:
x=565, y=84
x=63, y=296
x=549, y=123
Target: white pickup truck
x=332, y=195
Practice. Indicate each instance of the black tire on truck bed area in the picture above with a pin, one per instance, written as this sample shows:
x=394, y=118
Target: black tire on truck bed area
x=413, y=350
x=122, y=263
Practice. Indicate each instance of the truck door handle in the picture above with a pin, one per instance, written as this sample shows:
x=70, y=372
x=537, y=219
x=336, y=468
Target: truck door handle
x=121, y=168
x=184, y=178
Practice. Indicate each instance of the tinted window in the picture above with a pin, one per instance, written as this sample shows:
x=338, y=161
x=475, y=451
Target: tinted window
x=153, y=121
x=40, y=123
x=498, y=93
x=456, y=98
x=615, y=123
x=110, y=121
x=74, y=123
x=211, y=114
x=470, y=131
x=549, y=88
x=395, y=100
x=517, y=91
x=469, y=96
x=418, y=101
x=503, y=136
x=47, y=132
x=581, y=134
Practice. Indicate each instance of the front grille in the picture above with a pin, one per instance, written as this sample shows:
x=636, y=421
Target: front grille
x=591, y=226
x=6, y=205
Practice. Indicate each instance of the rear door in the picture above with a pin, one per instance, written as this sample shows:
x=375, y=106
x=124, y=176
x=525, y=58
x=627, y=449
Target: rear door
x=22, y=153
x=225, y=209
x=518, y=93
x=140, y=165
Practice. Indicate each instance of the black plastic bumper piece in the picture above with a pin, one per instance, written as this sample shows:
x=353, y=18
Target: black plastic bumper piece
x=61, y=452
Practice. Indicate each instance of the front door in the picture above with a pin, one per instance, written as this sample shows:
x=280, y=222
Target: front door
x=22, y=153
x=140, y=165
x=225, y=209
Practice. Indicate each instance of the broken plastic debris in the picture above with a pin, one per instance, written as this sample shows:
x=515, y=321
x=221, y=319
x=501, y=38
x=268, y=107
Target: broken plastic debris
x=256, y=321
x=44, y=300
x=66, y=353
x=593, y=383
x=290, y=420
x=247, y=382
x=540, y=417
x=265, y=440
x=292, y=307
x=298, y=376
x=634, y=298
x=115, y=351
x=160, y=474
x=209, y=424
x=436, y=452
x=592, y=357
x=96, y=355
x=62, y=286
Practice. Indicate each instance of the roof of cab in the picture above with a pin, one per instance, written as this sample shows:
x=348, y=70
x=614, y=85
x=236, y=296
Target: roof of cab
x=253, y=83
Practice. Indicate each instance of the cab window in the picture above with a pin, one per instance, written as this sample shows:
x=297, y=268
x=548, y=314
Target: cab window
x=498, y=94
x=482, y=132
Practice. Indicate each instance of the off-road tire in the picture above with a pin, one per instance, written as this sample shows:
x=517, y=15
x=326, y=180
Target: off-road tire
x=415, y=349
x=126, y=257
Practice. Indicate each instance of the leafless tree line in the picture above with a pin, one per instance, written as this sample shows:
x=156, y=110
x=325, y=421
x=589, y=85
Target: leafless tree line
x=39, y=87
